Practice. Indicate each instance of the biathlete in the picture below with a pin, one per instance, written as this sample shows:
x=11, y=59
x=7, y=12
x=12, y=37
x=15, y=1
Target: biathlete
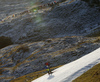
x=47, y=66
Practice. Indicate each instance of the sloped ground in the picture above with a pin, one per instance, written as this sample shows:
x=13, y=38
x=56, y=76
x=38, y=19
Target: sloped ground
x=19, y=60
x=36, y=26
x=31, y=76
x=70, y=71
x=77, y=18
x=92, y=75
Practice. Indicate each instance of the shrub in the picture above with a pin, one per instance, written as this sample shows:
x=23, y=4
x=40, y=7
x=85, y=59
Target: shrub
x=5, y=41
x=23, y=48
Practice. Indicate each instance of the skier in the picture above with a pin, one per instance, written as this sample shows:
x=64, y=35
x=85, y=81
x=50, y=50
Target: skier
x=47, y=66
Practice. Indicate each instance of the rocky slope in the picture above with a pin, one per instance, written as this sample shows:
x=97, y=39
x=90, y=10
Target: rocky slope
x=77, y=18
x=18, y=60
x=58, y=34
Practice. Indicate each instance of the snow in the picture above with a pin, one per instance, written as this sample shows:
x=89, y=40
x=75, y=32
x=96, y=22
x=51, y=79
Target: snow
x=70, y=71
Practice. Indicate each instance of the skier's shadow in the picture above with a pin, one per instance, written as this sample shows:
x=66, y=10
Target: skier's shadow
x=50, y=77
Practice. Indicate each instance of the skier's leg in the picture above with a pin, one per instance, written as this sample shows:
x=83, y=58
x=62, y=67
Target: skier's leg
x=48, y=71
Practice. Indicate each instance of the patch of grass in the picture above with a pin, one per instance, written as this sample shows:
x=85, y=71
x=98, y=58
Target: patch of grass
x=6, y=78
x=92, y=75
x=32, y=76
x=5, y=41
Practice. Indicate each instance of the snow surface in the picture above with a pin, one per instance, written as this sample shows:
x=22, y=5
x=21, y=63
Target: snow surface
x=70, y=71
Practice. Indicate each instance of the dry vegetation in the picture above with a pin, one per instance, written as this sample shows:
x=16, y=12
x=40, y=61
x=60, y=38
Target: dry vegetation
x=23, y=48
x=37, y=50
x=32, y=76
x=37, y=74
x=92, y=75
